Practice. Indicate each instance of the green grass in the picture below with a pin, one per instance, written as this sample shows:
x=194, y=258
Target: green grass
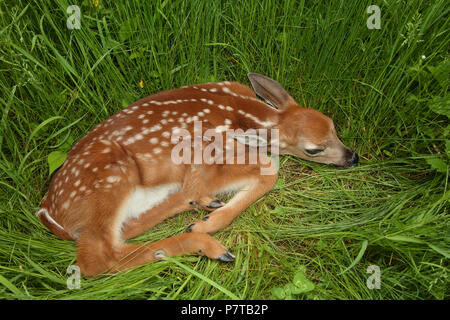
x=387, y=91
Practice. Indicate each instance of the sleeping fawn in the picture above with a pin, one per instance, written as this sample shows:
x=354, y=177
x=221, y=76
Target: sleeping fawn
x=121, y=179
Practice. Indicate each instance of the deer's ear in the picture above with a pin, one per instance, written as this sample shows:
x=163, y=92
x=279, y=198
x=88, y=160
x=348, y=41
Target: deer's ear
x=270, y=90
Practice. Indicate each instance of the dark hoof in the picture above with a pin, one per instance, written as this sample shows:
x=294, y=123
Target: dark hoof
x=226, y=257
x=215, y=204
x=189, y=229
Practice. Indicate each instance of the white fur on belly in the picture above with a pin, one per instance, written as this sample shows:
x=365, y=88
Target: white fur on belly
x=143, y=199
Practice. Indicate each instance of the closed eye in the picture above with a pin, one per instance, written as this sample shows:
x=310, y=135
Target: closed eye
x=313, y=151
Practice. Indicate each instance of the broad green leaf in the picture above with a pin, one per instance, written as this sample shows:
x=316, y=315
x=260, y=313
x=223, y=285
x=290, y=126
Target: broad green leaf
x=135, y=55
x=301, y=268
x=127, y=29
x=112, y=44
x=153, y=74
x=440, y=72
x=437, y=164
x=440, y=105
x=287, y=290
x=126, y=101
x=447, y=131
x=294, y=289
x=282, y=37
x=55, y=160
x=278, y=293
x=302, y=283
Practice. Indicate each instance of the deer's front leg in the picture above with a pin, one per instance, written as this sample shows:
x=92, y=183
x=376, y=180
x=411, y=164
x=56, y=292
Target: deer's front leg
x=193, y=193
x=256, y=187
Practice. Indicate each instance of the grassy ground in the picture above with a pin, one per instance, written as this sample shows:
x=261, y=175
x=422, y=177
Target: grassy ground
x=386, y=89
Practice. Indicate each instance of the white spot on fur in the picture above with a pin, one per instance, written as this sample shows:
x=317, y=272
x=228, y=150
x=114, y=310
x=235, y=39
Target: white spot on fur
x=221, y=128
x=66, y=205
x=155, y=128
x=112, y=179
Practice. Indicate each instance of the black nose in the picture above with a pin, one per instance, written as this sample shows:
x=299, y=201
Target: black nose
x=354, y=159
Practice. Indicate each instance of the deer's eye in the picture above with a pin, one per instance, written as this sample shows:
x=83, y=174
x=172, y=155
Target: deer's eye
x=313, y=151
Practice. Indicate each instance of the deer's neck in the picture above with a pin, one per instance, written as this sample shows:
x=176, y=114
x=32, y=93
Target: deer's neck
x=255, y=114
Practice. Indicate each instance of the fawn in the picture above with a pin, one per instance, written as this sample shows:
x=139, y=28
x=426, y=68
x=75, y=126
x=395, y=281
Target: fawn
x=119, y=180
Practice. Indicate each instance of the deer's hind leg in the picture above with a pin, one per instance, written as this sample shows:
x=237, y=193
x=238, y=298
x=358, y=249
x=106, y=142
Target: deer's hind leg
x=100, y=244
x=98, y=255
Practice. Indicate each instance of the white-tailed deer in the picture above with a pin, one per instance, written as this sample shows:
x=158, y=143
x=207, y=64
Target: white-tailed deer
x=120, y=179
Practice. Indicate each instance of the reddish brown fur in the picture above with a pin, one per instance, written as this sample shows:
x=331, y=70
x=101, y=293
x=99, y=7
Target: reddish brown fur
x=129, y=150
